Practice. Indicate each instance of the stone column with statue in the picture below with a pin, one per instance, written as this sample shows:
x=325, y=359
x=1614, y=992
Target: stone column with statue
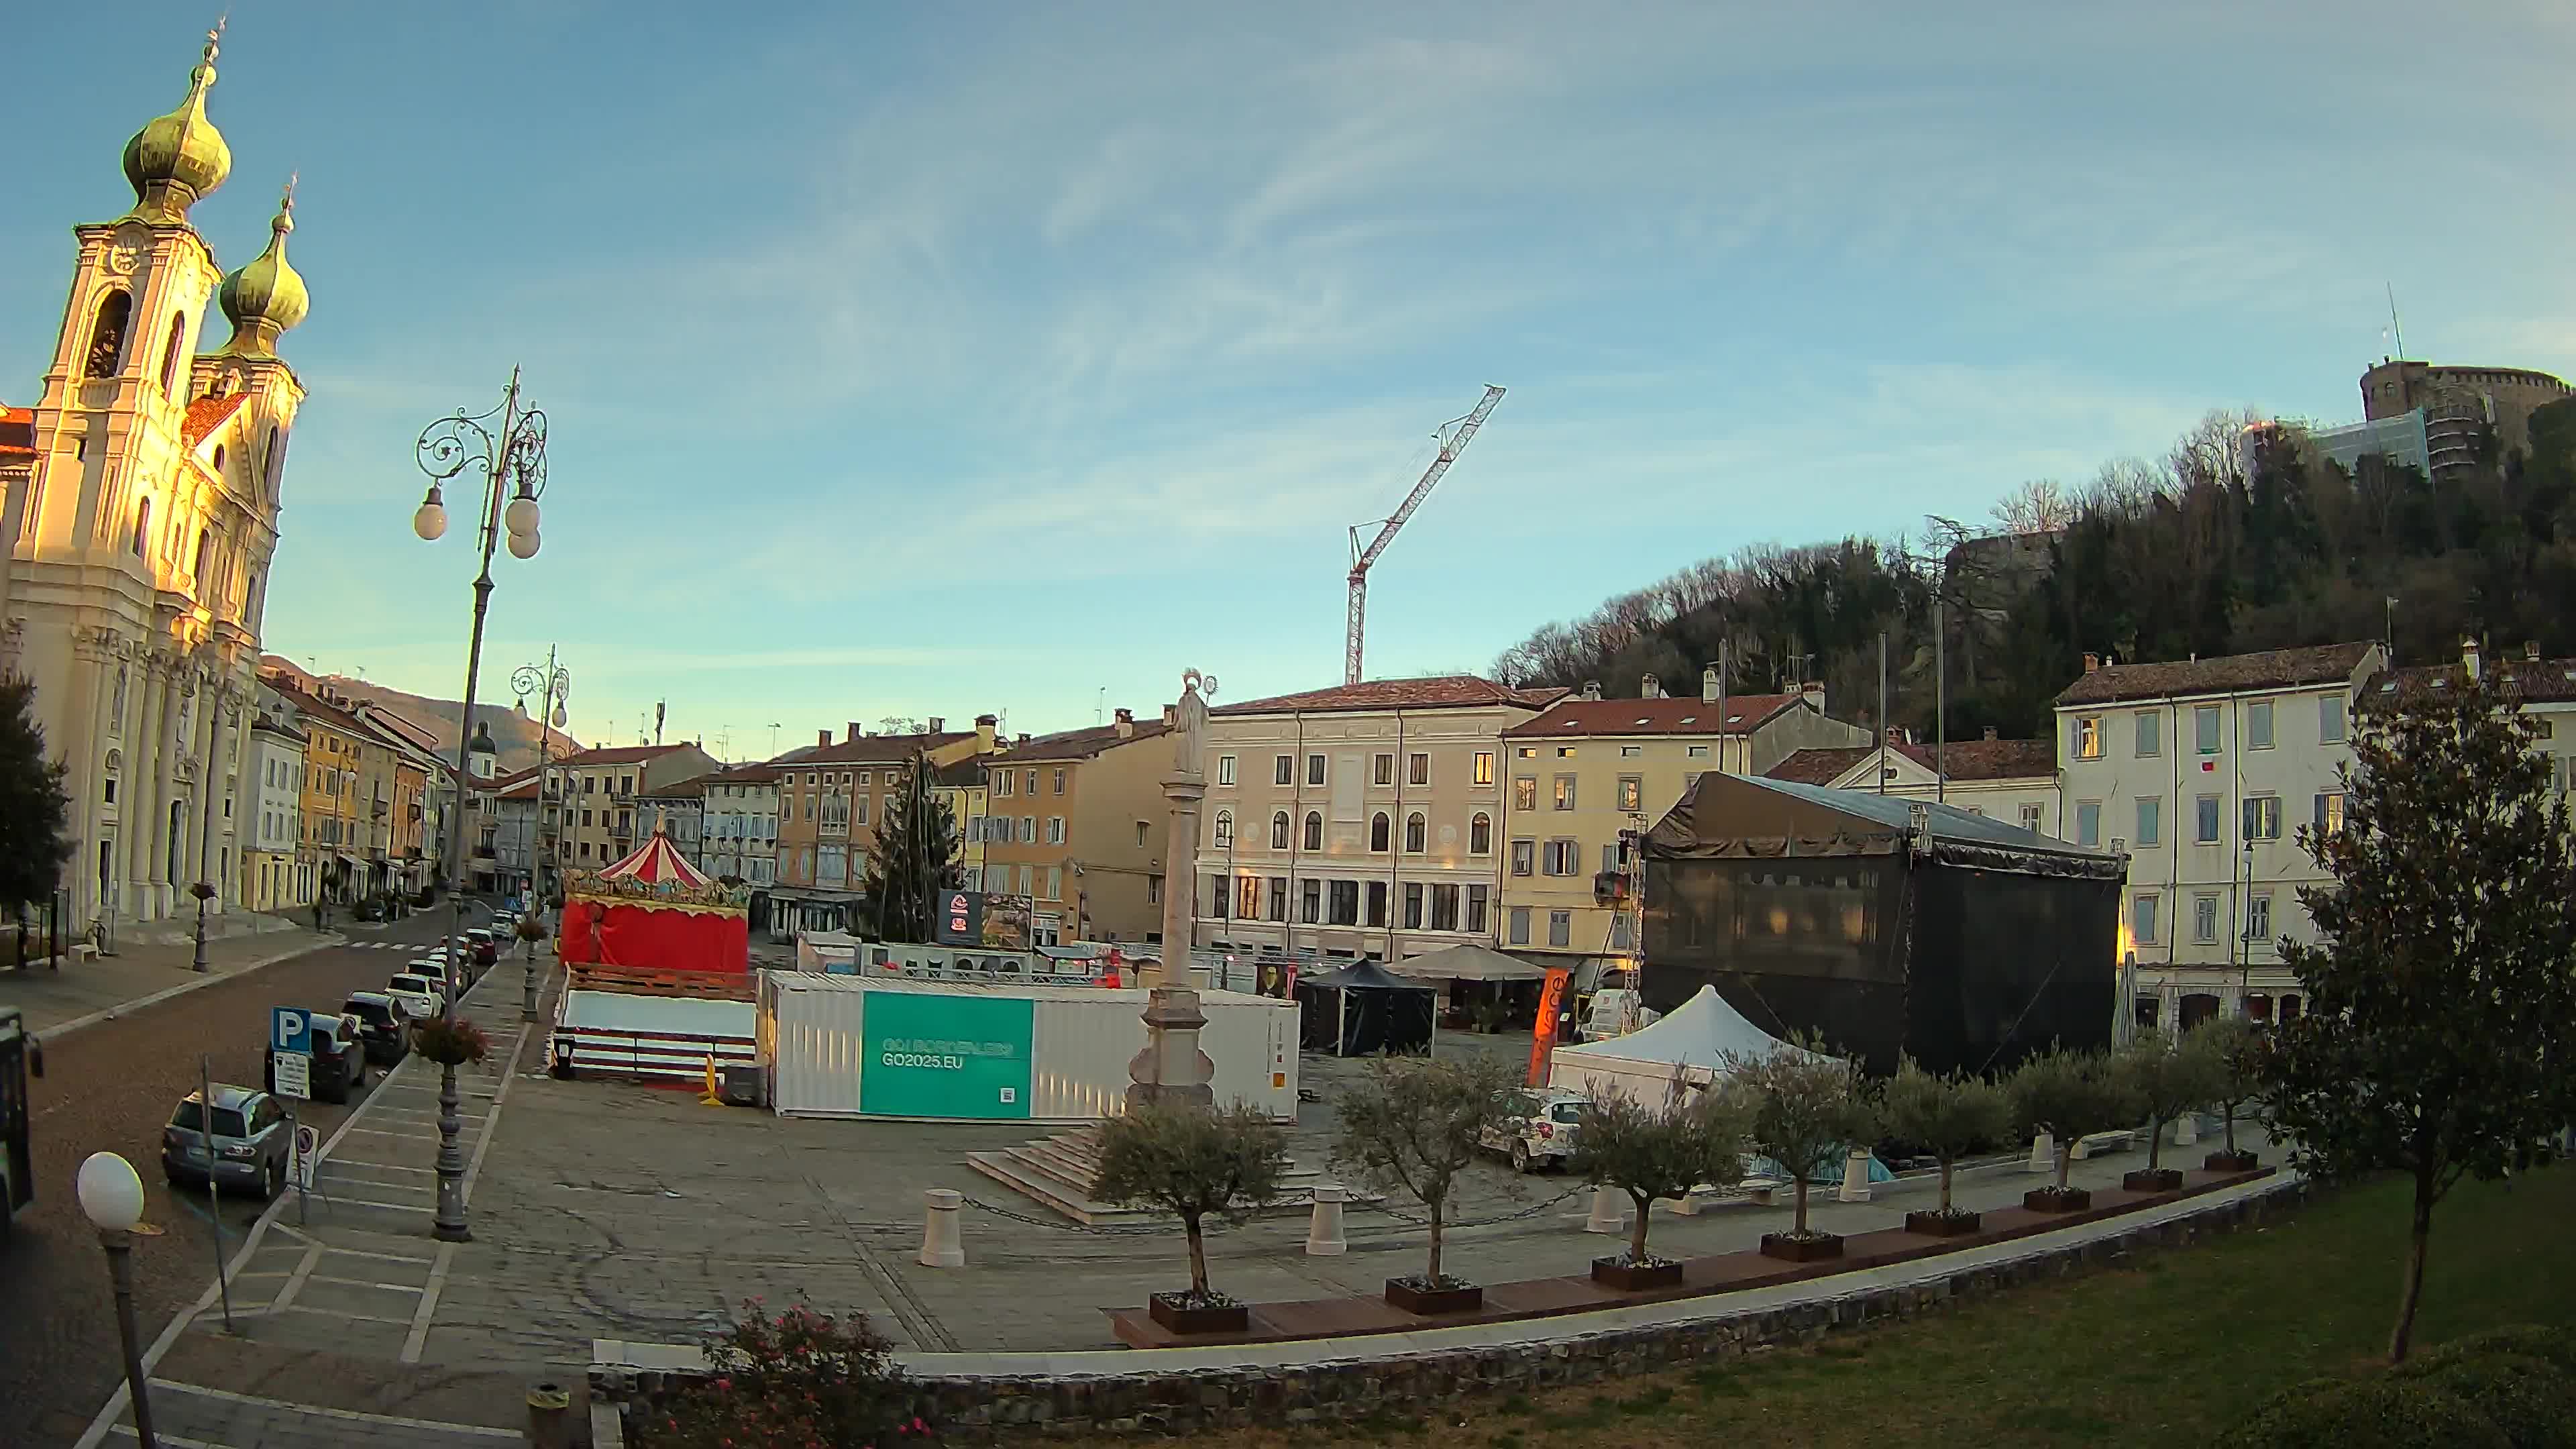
x=1172, y=1068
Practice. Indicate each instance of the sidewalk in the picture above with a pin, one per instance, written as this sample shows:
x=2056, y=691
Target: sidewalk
x=88, y=989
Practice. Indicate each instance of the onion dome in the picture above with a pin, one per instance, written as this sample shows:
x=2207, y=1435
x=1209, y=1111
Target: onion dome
x=265, y=298
x=175, y=160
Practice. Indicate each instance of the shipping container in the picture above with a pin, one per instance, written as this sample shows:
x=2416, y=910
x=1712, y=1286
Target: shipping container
x=666, y=1039
x=839, y=1046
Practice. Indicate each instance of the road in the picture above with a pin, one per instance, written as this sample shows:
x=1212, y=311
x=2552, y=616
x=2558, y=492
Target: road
x=111, y=1086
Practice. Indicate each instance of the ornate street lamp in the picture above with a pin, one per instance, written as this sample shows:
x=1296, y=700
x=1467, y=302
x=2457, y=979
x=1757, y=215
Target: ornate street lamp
x=511, y=456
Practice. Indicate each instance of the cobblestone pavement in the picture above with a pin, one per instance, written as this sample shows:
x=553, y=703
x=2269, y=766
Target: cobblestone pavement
x=110, y=1085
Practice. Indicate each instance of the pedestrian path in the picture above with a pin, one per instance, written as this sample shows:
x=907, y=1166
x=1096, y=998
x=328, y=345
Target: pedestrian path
x=58, y=1000
x=334, y=1290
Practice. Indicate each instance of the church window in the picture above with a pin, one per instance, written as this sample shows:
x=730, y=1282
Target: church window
x=107, y=334
x=142, y=525
x=274, y=459
x=219, y=460
x=170, y=352
x=205, y=536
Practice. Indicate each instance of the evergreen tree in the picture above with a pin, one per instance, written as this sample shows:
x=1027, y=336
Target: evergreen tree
x=2440, y=1034
x=915, y=858
x=34, y=811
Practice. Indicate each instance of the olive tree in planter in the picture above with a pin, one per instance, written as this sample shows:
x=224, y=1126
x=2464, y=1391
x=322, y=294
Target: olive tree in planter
x=2073, y=1095
x=1808, y=1107
x=1695, y=1136
x=1410, y=1126
x=2235, y=1056
x=1948, y=1117
x=2168, y=1078
x=1193, y=1163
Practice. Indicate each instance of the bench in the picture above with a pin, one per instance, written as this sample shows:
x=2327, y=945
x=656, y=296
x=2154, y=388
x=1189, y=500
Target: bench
x=1761, y=1189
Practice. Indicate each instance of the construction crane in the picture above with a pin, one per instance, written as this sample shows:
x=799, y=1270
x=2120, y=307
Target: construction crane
x=1453, y=437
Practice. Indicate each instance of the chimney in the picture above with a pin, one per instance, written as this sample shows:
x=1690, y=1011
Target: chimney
x=1022, y=740
x=985, y=725
x=1708, y=685
x=1592, y=689
x=855, y=731
x=1650, y=687
x=1171, y=715
x=1990, y=732
x=2531, y=650
x=822, y=737
x=939, y=724
x=1126, y=724
x=2469, y=655
x=2092, y=661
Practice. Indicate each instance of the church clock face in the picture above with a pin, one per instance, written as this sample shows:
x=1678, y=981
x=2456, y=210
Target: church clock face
x=125, y=253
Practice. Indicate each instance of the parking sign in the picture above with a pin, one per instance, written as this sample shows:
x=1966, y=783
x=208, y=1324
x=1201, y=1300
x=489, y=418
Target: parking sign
x=294, y=1074
x=290, y=1029
x=308, y=1145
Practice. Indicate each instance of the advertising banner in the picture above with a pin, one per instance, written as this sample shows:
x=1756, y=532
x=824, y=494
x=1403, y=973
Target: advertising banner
x=945, y=1056
x=1554, y=1018
x=1006, y=923
x=961, y=918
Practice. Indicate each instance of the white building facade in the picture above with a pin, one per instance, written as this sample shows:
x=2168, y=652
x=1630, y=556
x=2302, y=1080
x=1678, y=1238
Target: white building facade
x=141, y=543
x=2202, y=773
x=273, y=878
x=2014, y=781
x=740, y=825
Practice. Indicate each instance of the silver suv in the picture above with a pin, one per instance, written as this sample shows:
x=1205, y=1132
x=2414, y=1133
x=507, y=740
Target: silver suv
x=245, y=1148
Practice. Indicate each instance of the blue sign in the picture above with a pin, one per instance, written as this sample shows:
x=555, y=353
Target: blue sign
x=290, y=1029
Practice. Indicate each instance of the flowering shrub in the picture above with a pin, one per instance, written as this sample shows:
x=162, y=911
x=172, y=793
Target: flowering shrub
x=796, y=1380
x=450, y=1043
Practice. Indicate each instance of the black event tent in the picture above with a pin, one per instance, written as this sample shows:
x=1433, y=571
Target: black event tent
x=1364, y=1009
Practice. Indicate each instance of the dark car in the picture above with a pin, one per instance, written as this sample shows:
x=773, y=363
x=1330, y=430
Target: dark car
x=383, y=1025
x=244, y=1147
x=339, y=1057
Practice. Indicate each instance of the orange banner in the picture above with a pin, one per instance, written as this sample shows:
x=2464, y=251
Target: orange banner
x=1551, y=1003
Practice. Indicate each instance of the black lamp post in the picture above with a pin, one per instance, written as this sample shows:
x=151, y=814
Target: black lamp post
x=511, y=455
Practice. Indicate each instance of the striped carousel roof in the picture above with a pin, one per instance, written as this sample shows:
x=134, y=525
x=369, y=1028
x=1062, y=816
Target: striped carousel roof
x=657, y=863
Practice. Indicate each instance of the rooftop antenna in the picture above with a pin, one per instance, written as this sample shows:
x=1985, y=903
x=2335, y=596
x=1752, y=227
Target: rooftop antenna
x=1100, y=706
x=660, y=707
x=2394, y=330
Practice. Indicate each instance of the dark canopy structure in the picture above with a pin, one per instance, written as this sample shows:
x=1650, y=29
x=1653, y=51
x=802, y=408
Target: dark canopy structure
x=1887, y=925
x=1363, y=1009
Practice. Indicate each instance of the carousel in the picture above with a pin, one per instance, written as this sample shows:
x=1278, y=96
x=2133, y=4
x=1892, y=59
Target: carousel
x=654, y=911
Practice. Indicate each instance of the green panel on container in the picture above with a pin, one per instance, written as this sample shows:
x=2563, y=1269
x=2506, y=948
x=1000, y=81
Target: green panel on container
x=946, y=1056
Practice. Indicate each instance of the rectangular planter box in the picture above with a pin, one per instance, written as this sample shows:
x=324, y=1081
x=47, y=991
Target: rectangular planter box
x=2160, y=1179
x=1940, y=1225
x=1199, y=1318
x=2050, y=1200
x=1635, y=1278
x=1801, y=1250
x=2230, y=1162
x=1428, y=1302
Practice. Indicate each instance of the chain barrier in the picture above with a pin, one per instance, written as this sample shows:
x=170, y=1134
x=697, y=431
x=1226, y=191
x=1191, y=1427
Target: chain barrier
x=1533, y=1210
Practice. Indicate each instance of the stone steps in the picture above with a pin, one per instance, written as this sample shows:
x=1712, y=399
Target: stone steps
x=1058, y=1172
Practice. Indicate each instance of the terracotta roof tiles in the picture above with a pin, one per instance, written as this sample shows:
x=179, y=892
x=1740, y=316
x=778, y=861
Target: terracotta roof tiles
x=619, y=755
x=872, y=749
x=1081, y=744
x=1966, y=759
x=2542, y=681
x=2227, y=674
x=1443, y=691
x=207, y=414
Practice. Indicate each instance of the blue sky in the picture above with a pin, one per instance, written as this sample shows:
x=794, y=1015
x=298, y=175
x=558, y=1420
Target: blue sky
x=931, y=360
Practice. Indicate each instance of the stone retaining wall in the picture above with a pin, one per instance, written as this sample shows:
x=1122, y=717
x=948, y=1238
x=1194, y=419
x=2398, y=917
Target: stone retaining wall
x=986, y=1406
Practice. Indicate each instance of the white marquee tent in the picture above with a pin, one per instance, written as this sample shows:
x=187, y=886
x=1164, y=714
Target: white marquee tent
x=1696, y=1037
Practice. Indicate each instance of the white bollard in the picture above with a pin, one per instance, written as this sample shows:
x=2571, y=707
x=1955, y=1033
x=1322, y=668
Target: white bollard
x=1606, y=1216
x=1324, y=1229
x=1855, y=1176
x=940, y=1245
x=2186, y=1129
x=2043, y=1154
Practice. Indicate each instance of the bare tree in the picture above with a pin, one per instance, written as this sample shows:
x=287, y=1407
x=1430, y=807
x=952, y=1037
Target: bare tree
x=2041, y=505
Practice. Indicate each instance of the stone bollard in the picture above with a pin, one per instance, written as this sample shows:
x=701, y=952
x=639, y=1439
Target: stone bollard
x=2043, y=1154
x=1324, y=1228
x=550, y=1417
x=1606, y=1217
x=2186, y=1129
x=940, y=1245
x=1855, y=1176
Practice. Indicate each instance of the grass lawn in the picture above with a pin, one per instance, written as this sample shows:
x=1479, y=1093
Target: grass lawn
x=2175, y=1347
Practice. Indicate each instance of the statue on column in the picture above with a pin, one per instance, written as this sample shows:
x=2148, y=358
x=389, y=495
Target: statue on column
x=1172, y=1068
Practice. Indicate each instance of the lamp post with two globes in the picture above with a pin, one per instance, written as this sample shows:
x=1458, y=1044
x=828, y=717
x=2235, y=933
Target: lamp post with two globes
x=512, y=460
x=111, y=1197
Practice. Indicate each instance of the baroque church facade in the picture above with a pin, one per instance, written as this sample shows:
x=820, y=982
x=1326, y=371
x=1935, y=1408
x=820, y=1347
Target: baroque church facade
x=145, y=528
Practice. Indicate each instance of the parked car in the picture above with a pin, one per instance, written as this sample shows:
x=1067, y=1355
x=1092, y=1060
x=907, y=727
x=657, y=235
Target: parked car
x=419, y=996
x=339, y=1057
x=368, y=910
x=1544, y=1138
x=244, y=1147
x=383, y=1025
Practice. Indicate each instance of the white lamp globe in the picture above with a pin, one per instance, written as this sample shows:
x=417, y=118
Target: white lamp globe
x=521, y=515
x=523, y=545
x=431, y=521
x=111, y=1196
